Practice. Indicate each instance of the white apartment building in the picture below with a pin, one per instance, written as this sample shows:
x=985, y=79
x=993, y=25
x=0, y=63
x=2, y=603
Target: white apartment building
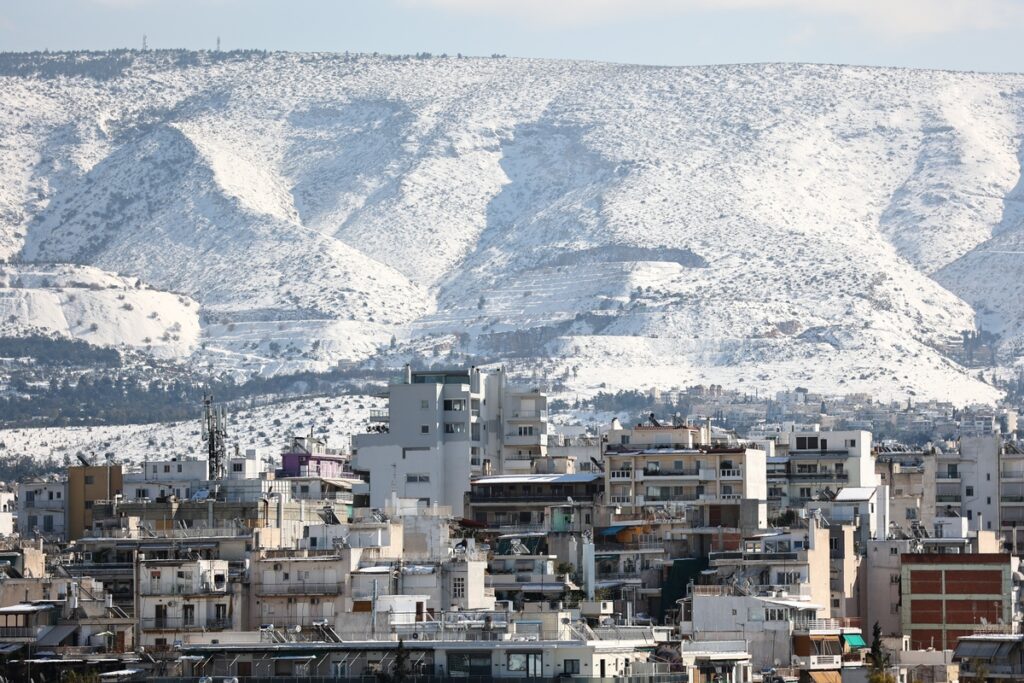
x=806, y=463
x=446, y=427
x=42, y=508
x=158, y=478
x=968, y=482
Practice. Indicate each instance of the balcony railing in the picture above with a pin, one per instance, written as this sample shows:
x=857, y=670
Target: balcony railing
x=529, y=414
x=300, y=588
x=947, y=498
x=737, y=555
x=819, y=476
x=684, y=472
x=947, y=475
x=18, y=632
x=180, y=624
x=184, y=589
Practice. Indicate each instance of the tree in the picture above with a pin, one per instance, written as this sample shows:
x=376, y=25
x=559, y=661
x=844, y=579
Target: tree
x=878, y=659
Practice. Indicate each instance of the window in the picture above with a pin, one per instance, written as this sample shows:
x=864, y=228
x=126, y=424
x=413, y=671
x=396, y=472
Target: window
x=525, y=662
x=474, y=431
x=179, y=468
x=454, y=427
x=89, y=480
x=459, y=587
x=47, y=523
x=526, y=430
x=304, y=488
x=911, y=513
x=417, y=479
x=571, y=666
x=88, y=505
x=424, y=404
x=989, y=499
x=624, y=439
x=167, y=468
x=188, y=615
x=833, y=543
x=894, y=550
x=424, y=429
x=852, y=443
x=970, y=491
x=454, y=404
x=805, y=492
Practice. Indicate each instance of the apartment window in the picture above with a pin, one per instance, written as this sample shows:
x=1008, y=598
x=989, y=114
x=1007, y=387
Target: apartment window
x=188, y=615
x=454, y=404
x=852, y=443
x=459, y=587
x=424, y=429
x=454, y=427
x=833, y=544
x=989, y=499
x=474, y=431
x=424, y=404
x=624, y=439
x=417, y=479
x=32, y=521
x=167, y=469
x=805, y=492
x=154, y=469
x=179, y=468
x=571, y=666
x=894, y=550
x=911, y=513
x=88, y=505
x=526, y=430
x=304, y=488
x=835, y=602
x=237, y=467
x=89, y=480
x=525, y=662
x=970, y=491
x=47, y=523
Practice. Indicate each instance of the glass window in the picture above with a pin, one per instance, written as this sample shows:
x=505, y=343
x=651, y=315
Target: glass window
x=572, y=666
x=424, y=429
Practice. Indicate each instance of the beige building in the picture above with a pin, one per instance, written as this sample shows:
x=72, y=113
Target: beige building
x=88, y=485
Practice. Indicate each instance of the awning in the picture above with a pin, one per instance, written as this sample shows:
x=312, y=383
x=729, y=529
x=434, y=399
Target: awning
x=540, y=587
x=854, y=641
x=975, y=649
x=294, y=658
x=9, y=648
x=826, y=676
x=611, y=531
x=56, y=635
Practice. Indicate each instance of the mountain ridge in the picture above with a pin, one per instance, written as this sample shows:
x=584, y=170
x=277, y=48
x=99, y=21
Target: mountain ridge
x=830, y=226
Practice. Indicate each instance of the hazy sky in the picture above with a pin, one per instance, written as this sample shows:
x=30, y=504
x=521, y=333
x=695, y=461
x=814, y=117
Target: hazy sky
x=949, y=34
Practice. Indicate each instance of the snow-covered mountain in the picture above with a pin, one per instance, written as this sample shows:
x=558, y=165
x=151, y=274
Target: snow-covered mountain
x=770, y=225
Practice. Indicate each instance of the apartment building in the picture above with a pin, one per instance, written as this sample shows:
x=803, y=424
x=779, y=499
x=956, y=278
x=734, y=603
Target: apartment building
x=88, y=485
x=945, y=596
x=159, y=478
x=310, y=457
x=300, y=588
x=446, y=427
x=967, y=482
x=42, y=509
x=514, y=502
x=672, y=468
x=793, y=562
x=910, y=476
x=178, y=597
x=808, y=464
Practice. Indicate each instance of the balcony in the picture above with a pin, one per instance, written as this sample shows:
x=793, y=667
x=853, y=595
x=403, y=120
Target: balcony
x=300, y=588
x=185, y=589
x=735, y=556
x=818, y=662
x=180, y=624
x=528, y=415
x=947, y=498
x=948, y=476
x=1015, y=500
x=483, y=498
x=641, y=546
x=684, y=472
x=18, y=633
x=819, y=476
x=1012, y=474
x=526, y=439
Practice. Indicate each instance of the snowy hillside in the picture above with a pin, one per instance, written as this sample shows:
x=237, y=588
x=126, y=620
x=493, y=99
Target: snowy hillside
x=770, y=225
x=267, y=428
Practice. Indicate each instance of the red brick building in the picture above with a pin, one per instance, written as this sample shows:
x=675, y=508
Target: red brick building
x=944, y=596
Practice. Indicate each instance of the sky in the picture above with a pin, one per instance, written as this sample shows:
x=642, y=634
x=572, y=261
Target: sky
x=978, y=35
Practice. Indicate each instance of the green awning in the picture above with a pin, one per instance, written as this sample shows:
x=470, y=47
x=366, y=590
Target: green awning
x=854, y=640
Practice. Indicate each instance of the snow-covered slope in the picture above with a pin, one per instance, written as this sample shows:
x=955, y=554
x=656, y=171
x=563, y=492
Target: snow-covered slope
x=85, y=303
x=833, y=227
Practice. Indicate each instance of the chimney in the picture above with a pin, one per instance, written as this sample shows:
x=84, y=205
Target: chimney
x=408, y=373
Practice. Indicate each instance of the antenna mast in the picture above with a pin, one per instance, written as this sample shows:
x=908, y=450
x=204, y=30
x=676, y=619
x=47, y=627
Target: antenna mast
x=215, y=433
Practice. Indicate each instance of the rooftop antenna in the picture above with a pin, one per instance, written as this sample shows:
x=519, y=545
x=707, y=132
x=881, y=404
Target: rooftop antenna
x=218, y=43
x=215, y=433
x=144, y=44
